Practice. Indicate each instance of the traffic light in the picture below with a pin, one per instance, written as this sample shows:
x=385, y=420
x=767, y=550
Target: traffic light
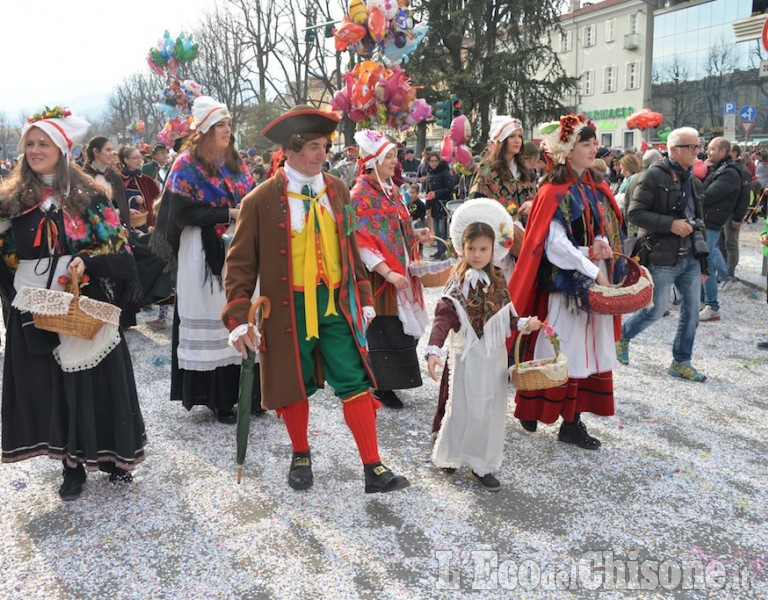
x=443, y=113
x=456, y=109
x=310, y=34
x=329, y=27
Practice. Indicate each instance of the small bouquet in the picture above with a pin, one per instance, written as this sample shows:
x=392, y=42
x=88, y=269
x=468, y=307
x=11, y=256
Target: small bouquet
x=542, y=373
x=551, y=335
x=66, y=281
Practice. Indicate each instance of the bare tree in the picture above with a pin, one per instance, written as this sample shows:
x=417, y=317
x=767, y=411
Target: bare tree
x=719, y=67
x=259, y=23
x=135, y=99
x=221, y=65
x=9, y=137
x=672, y=85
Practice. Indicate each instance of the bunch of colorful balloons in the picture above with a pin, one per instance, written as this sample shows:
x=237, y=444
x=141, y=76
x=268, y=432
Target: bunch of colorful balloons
x=374, y=94
x=175, y=128
x=644, y=119
x=169, y=55
x=383, y=24
x=136, y=128
x=178, y=96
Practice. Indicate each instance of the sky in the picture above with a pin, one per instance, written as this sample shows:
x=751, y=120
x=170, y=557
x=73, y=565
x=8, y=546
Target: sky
x=81, y=49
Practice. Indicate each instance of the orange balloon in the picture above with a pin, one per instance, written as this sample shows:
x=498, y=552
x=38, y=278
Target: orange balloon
x=644, y=119
x=377, y=24
x=349, y=32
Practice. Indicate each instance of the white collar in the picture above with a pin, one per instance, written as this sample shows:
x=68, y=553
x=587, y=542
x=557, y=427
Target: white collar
x=472, y=278
x=316, y=181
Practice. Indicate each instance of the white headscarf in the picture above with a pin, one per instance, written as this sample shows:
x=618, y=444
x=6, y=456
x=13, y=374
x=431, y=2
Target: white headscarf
x=502, y=126
x=65, y=130
x=374, y=147
x=207, y=112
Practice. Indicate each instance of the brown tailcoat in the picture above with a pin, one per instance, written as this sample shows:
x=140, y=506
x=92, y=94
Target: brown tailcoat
x=261, y=247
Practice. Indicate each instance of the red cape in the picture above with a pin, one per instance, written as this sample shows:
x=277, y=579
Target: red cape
x=523, y=287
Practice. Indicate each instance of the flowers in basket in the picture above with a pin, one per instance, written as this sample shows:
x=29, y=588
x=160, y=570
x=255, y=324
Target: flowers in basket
x=549, y=332
x=541, y=373
x=551, y=335
x=66, y=281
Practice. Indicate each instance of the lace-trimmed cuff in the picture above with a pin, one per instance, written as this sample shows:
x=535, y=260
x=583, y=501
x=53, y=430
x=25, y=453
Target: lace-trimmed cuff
x=433, y=350
x=239, y=332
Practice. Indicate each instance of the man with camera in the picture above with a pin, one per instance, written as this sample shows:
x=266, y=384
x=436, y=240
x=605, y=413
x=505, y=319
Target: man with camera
x=722, y=189
x=668, y=212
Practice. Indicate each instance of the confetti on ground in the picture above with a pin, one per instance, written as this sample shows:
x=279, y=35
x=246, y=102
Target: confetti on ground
x=680, y=477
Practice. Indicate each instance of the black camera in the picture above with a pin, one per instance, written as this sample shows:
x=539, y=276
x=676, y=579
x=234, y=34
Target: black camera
x=698, y=240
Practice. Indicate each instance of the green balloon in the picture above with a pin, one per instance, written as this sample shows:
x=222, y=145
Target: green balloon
x=157, y=58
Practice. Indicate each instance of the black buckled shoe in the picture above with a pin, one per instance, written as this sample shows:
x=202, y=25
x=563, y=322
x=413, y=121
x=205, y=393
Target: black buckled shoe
x=300, y=474
x=530, y=426
x=575, y=432
x=74, y=480
x=488, y=482
x=388, y=398
x=379, y=478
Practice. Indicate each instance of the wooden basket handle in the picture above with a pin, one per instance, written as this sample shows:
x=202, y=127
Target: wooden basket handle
x=517, y=347
x=74, y=287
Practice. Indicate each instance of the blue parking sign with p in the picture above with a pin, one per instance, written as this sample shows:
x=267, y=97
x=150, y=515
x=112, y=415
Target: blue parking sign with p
x=729, y=108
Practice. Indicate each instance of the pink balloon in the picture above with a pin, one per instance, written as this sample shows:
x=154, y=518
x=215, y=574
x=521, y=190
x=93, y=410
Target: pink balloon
x=463, y=155
x=341, y=101
x=446, y=150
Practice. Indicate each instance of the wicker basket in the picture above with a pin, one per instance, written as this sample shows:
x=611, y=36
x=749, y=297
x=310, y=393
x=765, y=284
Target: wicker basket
x=138, y=219
x=74, y=322
x=430, y=273
x=634, y=292
x=538, y=374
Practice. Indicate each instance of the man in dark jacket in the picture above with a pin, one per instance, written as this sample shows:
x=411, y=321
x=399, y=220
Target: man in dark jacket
x=664, y=205
x=729, y=236
x=722, y=189
x=410, y=164
x=439, y=187
x=157, y=168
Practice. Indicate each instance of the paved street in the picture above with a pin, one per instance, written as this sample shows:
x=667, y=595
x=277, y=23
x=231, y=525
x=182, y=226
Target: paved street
x=679, y=483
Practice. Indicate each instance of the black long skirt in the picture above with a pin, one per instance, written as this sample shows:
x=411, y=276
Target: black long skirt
x=392, y=354
x=85, y=417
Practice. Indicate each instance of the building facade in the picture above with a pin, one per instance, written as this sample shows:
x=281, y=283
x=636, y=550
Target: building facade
x=608, y=46
x=706, y=65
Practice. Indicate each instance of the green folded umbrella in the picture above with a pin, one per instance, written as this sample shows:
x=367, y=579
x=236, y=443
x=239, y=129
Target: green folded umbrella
x=246, y=384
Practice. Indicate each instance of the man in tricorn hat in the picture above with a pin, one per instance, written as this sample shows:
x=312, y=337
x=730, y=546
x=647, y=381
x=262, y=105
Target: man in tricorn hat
x=295, y=235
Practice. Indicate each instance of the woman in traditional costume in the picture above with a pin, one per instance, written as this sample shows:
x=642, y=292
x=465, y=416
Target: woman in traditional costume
x=504, y=176
x=201, y=200
x=68, y=398
x=573, y=229
x=385, y=237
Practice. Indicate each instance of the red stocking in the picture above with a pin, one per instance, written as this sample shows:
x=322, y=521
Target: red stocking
x=360, y=415
x=296, y=417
